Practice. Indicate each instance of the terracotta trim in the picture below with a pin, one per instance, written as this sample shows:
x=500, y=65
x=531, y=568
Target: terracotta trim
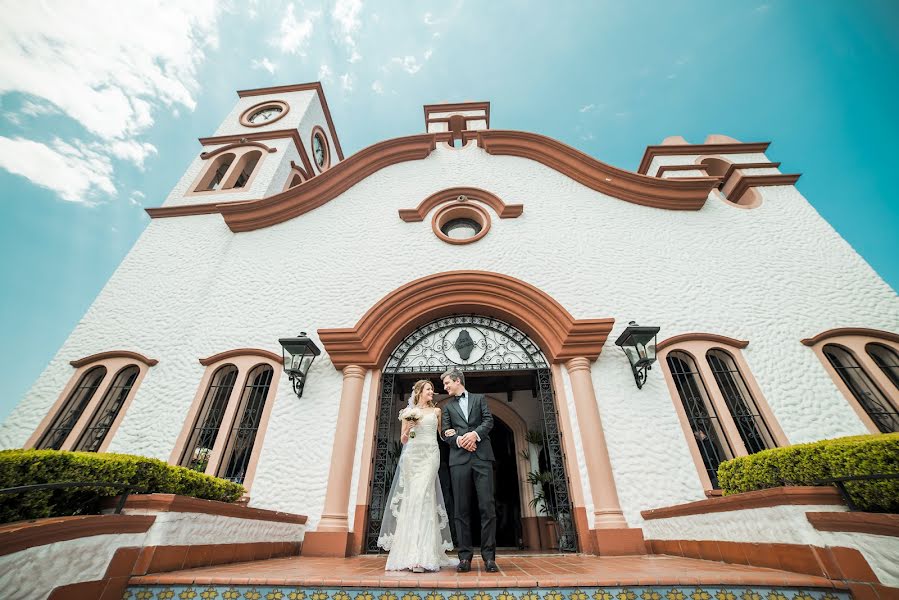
x=236, y=138
x=699, y=336
x=150, y=362
x=300, y=87
x=780, y=496
x=673, y=194
x=301, y=169
x=16, y=537
x=672, y=168
x=734, y=166
x=241, y=352
x=245, y=115
x=185, y=210
x=325, y=146
x=856, y=522
x=681, y=149
x=207, y=155
x=456, y=107
x=505, y=211
x=256, y=214
x=751, y=181
x=173, y=503
x=460, y=210
x=840, y=331
x=537, y=314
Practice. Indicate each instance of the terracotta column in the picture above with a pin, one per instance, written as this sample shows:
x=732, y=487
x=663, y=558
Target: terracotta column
x=606, y=506
x=332, y=537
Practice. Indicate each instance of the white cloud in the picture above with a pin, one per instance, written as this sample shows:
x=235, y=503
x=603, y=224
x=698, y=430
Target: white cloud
x=75, y=172
x=429, y=19
x=265, y=63
x=36, y=109
x=346, y=82
x=408, y=63
x=354, y=57
x=132, y=151
x=325, y=73
x=377, y=87
x=94, y=63
x=436, y=34
x=137, y=198
x=294, y=35
x=428, y=53
x=346, y=14
x=587, y=108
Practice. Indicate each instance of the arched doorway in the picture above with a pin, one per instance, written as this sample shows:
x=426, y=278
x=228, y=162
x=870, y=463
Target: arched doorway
x=498, y=359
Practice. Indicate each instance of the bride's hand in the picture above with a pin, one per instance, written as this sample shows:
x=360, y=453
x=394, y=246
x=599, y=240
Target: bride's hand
x=449, y=433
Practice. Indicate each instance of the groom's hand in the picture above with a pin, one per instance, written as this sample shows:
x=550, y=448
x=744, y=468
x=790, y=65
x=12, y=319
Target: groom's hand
x=469, y=441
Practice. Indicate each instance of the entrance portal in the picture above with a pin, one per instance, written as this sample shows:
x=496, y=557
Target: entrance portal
x=501, y=362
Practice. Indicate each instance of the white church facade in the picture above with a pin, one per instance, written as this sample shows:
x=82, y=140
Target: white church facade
x=506, y=253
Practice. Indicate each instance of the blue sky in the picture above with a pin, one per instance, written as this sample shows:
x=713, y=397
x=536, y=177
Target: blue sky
x=101, y=105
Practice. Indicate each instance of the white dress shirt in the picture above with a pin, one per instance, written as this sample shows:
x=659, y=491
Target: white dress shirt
x=463, y=405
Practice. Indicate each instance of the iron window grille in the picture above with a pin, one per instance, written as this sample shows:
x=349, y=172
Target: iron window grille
x=742, y=406
x=863, y=389
x=93, y=435
x=886, y=359
x=239, y=448
x=206, y=428
x=71, y=410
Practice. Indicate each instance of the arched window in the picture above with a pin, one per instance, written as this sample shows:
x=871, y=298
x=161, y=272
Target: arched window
x=243, y=170
x=887, y=359
x=70, y=412
x=93, y=435
x=863, y=389
x=226, y=424
x=215, y=173
x=206, y=426
x=705, y=427
x=746, y=415
x=242, y=438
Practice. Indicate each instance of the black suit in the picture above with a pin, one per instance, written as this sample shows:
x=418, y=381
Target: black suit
x=469, y=469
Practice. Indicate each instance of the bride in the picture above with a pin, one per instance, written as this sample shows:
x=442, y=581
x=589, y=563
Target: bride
x=415, y=528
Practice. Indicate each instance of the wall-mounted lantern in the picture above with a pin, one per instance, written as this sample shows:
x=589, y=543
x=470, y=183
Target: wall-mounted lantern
x=298, y=354
x=639, y=344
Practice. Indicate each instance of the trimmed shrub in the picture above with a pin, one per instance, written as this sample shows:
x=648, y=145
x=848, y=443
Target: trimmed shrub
x=29, y=467
x=806, y=464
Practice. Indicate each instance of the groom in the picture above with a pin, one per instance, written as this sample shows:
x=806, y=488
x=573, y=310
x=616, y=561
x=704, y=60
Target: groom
x=471, y=464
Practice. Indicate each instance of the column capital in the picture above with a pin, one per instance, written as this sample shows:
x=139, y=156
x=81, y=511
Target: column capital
x=351, y=371
x=578, y=363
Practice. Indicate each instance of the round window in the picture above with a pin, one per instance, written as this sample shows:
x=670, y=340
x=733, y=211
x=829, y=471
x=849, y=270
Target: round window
x=461, y=229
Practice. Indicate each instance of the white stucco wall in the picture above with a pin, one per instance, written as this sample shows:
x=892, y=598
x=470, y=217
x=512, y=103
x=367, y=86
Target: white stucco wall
x=190, y=288
x=779, y=524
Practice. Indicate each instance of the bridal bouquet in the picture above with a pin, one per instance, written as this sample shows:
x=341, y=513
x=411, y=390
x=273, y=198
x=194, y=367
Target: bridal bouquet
x=412, y=414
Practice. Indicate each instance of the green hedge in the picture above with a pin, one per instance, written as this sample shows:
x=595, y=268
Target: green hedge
x=28, y=467
x=804, y=464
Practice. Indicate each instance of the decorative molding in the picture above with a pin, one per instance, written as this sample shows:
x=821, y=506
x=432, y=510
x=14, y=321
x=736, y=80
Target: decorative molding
x=16, y=537
x=831, y=333
x=240, y=144
x=752, y=181
x=681, y=149
x=856, y=522
x=734, y=166
x=559, y=335
x=505, y=211
x=184, y=210
x=701, y=337
x=460, y=210
x=253, y=136
x=673, y=194
x=457, y=107
x=245, y=115
x=241, y=352
x=666, y=168
x=780, y=496
x=325, y=146
x=315, y=86
x=150, y=362
x=186, y=504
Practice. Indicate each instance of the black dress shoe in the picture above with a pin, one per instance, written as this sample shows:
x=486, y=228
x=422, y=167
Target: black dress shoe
x=464, y=566
x=490, y=567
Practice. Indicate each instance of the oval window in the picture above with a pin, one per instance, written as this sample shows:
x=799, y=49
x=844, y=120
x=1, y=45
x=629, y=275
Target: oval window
x=461, y=229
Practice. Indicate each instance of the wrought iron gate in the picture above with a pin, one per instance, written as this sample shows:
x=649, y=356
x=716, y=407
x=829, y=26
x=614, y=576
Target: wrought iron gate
x=474, y=344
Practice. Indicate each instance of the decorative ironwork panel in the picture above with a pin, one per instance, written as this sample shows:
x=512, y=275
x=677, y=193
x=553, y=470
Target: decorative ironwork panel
x=884, y=415
x=559, y=500
x=71, y=411
x=209, y=420
x=471, y=342
x=239, y=449
x=745, y=412
x=106, y=413
x=887, y=359
x=384, y=461
x=701, y=414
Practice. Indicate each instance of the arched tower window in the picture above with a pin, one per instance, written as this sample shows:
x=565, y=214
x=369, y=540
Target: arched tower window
x=865, y=391
x=71, y=411
x=215, y=173
x=887, y=359
x=206, y=426
x=101, y=422
x=743, y=410
x=704, y=424
x=242, y=438
x=243, y=170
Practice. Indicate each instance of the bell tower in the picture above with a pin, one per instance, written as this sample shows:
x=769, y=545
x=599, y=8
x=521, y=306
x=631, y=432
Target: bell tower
x=273, y=139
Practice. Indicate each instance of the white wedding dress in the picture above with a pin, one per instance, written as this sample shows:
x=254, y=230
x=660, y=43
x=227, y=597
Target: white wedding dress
x=415, y=527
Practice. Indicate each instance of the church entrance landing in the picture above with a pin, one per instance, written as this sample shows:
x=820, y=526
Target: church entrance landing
x=521, y=577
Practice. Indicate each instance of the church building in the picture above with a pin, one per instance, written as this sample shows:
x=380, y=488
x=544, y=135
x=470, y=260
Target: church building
x=269, y=323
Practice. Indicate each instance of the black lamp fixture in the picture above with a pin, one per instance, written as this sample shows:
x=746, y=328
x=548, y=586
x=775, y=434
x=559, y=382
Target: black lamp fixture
x=298, y=354
x=639, y=344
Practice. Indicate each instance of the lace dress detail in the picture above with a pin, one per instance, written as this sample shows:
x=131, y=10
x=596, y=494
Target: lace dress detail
x=418, y=533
